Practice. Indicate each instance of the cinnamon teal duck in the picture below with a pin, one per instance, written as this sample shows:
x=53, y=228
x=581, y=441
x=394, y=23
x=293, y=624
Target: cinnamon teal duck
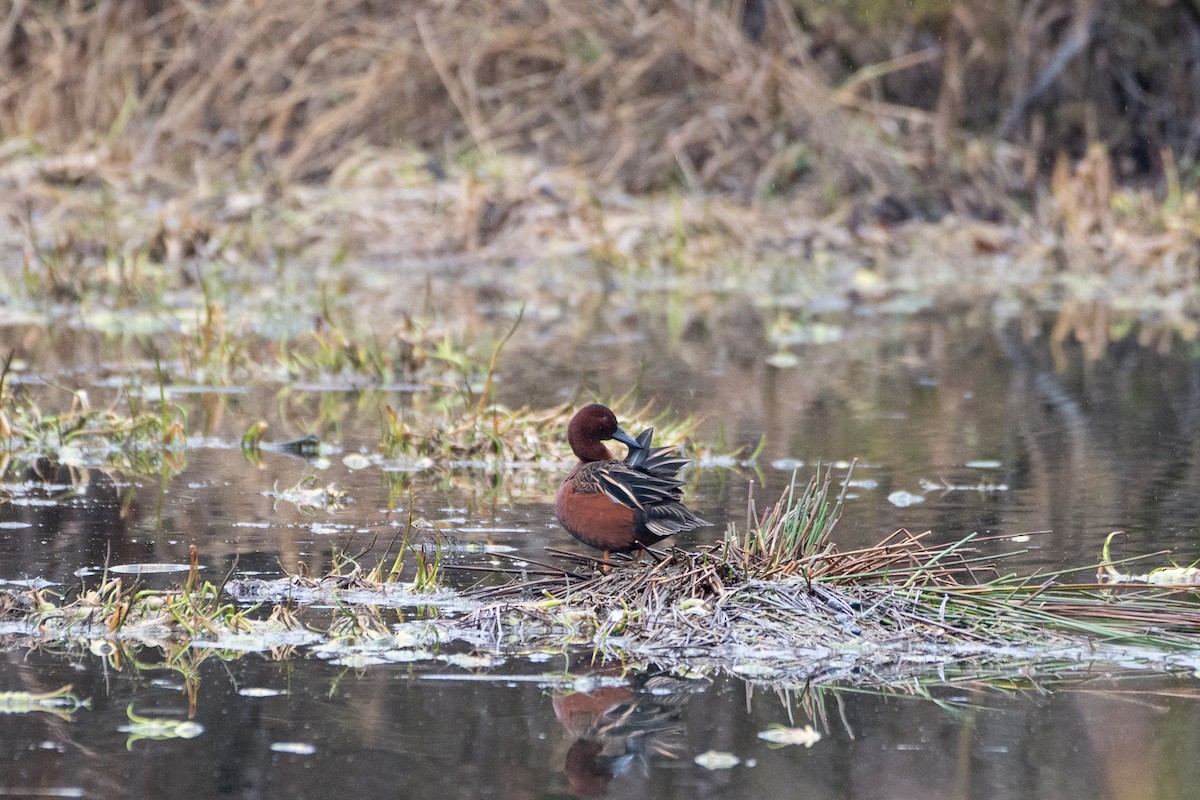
x=620, y=506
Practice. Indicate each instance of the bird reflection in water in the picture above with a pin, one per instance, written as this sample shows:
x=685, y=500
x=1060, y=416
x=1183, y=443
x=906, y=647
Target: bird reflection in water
x=619, y=723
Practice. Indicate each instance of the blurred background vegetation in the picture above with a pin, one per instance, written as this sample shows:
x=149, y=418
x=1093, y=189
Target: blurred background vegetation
x=924, y=107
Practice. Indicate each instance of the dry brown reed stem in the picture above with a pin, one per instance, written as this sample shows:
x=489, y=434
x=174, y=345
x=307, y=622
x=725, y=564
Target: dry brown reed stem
x=636, y=92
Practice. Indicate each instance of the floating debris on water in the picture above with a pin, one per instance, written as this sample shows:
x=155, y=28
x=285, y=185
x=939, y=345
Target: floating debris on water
x=307, y=496
x=472, y=660
x=782, y=360
x=781, y=736
x=753, y=670
x=265, y=636
x=328, y=528
x=28, y=583
x=715, y=759
x=984, y=463
x=945, y=486
x=356, y=461
x=358, y=661
x=408, y=656
x=342, y=589
x=903, y=499
x=148, y=569
x=1162, y=576
x=295, y=748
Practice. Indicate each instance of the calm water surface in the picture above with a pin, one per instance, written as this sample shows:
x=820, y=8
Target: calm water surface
x=993, y=431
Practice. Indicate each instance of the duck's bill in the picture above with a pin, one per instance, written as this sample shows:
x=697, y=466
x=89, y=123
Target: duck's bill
x=624, y=438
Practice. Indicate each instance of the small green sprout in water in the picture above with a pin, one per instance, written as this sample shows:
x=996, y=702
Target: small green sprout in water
x=428, y=576
x=252, y=440
x=392, y=573
x=199, y=605
x=158, y=728
x=429, y=568
x=1160, y=576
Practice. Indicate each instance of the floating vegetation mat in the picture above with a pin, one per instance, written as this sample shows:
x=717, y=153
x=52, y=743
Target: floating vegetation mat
x=894, y=611
x=781, y=603
x=776, y=603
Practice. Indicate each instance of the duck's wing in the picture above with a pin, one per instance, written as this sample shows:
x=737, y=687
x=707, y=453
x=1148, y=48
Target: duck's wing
x=664, y=462
x=647, y=481
x=635, y=488
x=668, y=519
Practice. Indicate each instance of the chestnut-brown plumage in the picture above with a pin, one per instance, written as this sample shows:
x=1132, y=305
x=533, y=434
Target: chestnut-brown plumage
x=620, y=506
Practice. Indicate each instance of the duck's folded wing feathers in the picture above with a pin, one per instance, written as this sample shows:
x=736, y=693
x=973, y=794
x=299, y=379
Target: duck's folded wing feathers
x=635, y=489
x=669, y=519
x=663, y=462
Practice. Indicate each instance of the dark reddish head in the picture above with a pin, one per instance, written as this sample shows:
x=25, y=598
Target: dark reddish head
x=590, y=428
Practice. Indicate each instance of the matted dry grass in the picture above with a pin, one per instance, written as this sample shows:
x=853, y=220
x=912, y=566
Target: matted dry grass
x=635, y=92
x=911, y=619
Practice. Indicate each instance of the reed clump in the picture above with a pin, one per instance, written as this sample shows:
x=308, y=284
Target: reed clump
x=466, y=429
x=247, y=614
x=780, y=600
x=127, y=434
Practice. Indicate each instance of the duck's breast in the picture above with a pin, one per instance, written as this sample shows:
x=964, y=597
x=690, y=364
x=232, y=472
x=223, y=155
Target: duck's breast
x=594, y=518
